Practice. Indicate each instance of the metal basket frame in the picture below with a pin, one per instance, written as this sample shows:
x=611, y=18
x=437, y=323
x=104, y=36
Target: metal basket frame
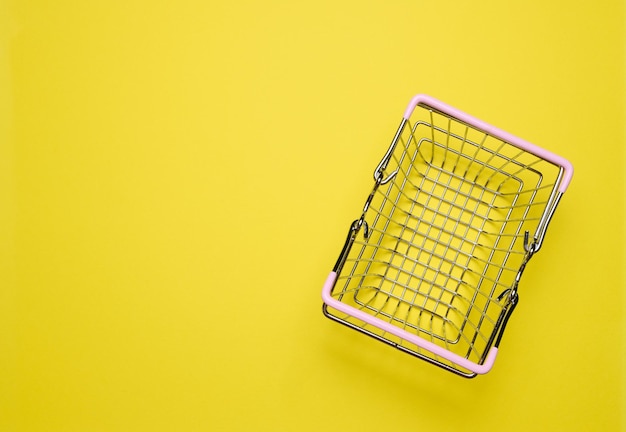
x=433, y=263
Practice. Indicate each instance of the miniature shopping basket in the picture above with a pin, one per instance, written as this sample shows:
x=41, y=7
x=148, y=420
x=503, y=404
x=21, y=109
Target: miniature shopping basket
x=432, y=264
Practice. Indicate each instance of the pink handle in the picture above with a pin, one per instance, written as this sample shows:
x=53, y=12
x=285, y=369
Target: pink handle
x=414, y=339
x=568, y=169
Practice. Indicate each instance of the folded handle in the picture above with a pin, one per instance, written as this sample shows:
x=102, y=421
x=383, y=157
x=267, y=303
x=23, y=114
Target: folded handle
x=396, y=331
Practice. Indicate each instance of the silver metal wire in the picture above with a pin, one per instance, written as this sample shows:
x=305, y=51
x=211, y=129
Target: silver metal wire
x=454, y=216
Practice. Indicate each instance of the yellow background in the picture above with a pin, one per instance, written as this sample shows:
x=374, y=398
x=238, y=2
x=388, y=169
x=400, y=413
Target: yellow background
x=177, y=179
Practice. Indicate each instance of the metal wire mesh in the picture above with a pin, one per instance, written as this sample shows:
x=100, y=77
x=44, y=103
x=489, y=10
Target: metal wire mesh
x=445, y=236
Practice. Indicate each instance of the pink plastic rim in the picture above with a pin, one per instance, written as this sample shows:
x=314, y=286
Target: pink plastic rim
x=568, y=169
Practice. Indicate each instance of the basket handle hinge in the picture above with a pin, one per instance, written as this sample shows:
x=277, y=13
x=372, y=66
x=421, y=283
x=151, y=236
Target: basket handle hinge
x=511, y=294
x=379, y=175
x=530, y=248
x=355, y=227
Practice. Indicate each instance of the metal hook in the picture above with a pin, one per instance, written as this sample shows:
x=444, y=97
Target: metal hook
x=529, y=247
x=361, y=222
x=378, y=173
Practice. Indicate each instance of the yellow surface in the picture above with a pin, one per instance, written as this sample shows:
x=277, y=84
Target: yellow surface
x=177, y=178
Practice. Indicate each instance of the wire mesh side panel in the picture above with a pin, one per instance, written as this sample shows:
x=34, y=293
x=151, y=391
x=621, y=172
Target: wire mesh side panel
x=446, y=236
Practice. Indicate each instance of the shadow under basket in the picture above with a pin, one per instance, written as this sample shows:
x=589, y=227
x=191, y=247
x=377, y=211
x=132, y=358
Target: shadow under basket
x=433, y=263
